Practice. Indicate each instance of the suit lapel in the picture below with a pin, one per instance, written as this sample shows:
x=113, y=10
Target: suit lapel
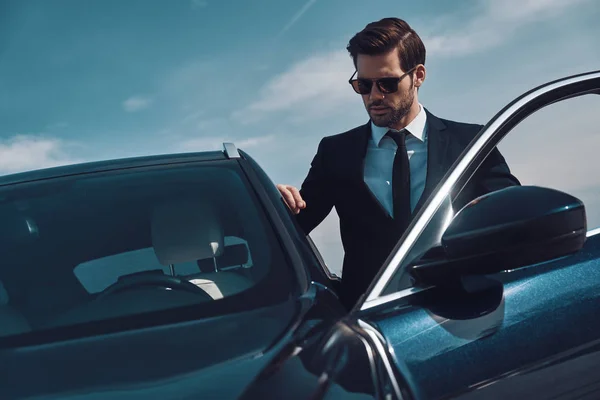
x=361, y=141
x=438, y=156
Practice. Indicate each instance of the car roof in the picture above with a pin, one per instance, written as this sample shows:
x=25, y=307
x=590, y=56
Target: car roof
x=110, y=165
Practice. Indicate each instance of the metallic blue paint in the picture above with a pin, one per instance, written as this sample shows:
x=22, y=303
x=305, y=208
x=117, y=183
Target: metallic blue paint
x=546, y=316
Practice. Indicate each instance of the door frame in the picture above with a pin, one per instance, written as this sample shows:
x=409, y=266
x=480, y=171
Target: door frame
x=464, y=168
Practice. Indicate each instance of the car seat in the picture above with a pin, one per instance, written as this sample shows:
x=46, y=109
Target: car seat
x=190, y=230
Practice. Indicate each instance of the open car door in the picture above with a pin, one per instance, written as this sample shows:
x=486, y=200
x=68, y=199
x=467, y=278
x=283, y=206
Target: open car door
x=500, y=298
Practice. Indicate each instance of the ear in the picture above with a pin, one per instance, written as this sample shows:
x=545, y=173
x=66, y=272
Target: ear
x=419, y=75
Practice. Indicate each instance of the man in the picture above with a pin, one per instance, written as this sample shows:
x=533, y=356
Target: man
x=379, y=174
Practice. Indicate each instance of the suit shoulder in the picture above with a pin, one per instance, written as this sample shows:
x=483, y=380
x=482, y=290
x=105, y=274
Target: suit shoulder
x=348, y=135
x=462, y=127
x=464, y=131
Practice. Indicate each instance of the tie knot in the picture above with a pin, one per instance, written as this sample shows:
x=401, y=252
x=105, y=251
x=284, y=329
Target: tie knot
x=398, y=137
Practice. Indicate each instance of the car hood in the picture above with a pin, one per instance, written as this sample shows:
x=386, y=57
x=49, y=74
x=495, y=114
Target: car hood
x=215, y=358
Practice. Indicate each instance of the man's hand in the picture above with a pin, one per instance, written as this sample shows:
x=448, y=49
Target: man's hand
x=292, y=197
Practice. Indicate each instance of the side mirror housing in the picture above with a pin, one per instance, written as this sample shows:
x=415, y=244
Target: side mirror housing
x=504, y=230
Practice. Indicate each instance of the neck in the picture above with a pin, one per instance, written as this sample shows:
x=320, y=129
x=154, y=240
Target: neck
x=408, y=118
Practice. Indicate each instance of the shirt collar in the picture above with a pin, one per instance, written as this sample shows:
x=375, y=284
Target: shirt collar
x=416, y=127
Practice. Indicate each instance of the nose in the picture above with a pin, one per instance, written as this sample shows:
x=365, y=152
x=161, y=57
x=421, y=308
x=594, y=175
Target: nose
x=375, y=93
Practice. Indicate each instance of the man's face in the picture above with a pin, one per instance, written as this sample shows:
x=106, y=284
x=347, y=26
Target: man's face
x=386, y=109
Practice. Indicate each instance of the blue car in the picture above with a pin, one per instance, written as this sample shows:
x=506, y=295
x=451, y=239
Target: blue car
x=186, y=277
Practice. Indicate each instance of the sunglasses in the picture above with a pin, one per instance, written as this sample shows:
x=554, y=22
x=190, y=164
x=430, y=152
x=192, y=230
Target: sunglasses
x=385, y=85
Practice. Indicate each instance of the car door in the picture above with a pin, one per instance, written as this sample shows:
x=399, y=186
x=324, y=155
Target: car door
x=529, y=332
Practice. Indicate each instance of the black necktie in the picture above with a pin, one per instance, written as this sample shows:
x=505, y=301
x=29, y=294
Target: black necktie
x=401, y=179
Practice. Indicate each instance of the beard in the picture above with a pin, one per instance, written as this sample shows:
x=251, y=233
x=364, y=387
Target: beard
x=396, y=111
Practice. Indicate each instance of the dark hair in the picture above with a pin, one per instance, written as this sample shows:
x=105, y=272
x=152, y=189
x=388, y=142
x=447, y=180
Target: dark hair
x=382, y=36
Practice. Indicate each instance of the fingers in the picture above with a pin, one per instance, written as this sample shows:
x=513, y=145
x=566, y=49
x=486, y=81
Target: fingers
x=300, y=203
x=287, y=196
x=292, y=197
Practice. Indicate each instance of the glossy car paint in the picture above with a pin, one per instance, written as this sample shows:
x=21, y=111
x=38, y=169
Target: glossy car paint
x=173, y=354
x=178, y=360
x=533, y=333
x=343, y=360
x=159, y=362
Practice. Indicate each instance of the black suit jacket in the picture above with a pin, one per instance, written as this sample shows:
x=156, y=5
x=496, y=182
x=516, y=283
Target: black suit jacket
x=368, y=233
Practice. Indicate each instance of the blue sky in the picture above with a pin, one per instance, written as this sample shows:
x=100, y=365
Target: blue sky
x=98, y=79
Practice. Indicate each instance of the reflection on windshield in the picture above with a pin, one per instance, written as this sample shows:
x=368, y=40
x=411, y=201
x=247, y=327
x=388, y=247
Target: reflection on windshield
x=119, y=243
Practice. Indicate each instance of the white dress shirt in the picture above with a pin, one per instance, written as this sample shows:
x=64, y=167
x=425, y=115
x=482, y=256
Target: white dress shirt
x=381, y=150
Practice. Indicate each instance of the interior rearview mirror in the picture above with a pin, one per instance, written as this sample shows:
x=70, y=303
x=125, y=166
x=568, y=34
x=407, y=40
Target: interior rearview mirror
x=504, y=230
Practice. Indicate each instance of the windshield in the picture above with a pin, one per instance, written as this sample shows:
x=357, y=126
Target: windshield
x=92, y=246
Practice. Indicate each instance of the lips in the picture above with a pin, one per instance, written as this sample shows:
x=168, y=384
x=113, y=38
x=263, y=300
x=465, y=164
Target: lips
x=379, y=110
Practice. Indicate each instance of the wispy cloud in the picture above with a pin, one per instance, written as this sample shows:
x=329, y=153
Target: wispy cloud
x=196, y=4
x=216, y=143
x=495, y=23
x=27, y=152
x=316, y=85
x=192, y=116
x=200, y=144
x=254, y=141
x=297, y=16
x=137, y=103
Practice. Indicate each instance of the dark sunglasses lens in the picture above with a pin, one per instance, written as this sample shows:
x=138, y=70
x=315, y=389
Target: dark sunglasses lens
x=388, y=85
x=362, y=86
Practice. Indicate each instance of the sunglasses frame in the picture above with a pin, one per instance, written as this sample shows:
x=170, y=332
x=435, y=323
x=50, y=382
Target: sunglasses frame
x=378, y=82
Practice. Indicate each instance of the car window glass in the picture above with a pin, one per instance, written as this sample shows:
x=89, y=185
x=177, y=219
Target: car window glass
x=554, y=147
x=98, y=274
x=557, y=147
x=108, y=245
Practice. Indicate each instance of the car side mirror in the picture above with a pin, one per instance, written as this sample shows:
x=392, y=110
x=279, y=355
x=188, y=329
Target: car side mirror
x=504, y=230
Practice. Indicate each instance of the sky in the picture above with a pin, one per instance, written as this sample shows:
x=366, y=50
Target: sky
x=104, y=79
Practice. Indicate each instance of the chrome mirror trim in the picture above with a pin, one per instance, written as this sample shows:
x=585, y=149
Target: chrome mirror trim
x=387, y=298
x=513, y=113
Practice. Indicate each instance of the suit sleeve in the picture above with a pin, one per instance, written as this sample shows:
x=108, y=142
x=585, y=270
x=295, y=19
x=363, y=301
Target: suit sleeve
x=492, y=175
x=317, y=192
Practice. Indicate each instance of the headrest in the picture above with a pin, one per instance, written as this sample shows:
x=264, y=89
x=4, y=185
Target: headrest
x=233, y=255
x=184, y=231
